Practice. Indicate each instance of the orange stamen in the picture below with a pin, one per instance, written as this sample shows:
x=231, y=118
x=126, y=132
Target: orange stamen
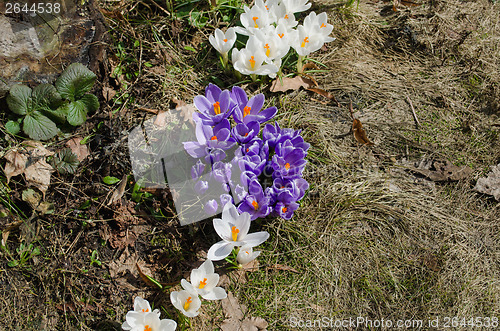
x=147, y=328
x=145, y=310
x=255, y=21
x=213, y=138
x=203, y=283
x=281, y=35
x=217, y=108
x=323, y=25
x=246, y=134
x=225, y=40
x=252, y=62
x=188, y=302
x=248, y=149
x=246, y=111
x=286, y=16
x=268, y=51
x=306, y=40
x=287, y=166
x=255, y=205
x=284, y=209
x=234, y=233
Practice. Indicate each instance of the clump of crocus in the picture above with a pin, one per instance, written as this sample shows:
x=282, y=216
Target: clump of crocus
x=143, y=318
x=203, y=282
x=258, y=167
x=233, y=230
x=272, y=29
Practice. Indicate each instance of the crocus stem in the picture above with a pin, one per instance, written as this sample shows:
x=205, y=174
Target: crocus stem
x=225, y=61
x=237, y=74
x=300, y=66
x=254, y=77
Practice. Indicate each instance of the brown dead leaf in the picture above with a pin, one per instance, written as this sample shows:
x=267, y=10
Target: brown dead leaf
x=324, y=93
x=491, y=184
x=360, y=133
x=235, y=314
x=119, y=191
x=145, y=276
x=38, y=171
x=282, y=267
x=108, y=93
x=441, y=170
x=16, y=163
x=81, y=151
x=186, y=110
x=287, y=83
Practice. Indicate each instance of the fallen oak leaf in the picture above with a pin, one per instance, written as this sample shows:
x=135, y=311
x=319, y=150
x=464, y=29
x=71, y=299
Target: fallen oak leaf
x=287, y=83
x=491, y=184
x=80, y=150
x=235, y=313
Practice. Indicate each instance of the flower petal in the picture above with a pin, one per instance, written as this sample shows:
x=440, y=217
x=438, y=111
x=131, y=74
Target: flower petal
x=168, y=325
x=220, y=250
x=255, y=239
x=222, y=228
x=217, y=293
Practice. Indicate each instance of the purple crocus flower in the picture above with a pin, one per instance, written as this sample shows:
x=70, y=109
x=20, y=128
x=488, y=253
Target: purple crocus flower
x=201, y=187
x=274, y=135
x=256, y=203
x=197, y=169
x=250, y=110
x=210, y=141
x=288, y=162
x=221, y=171
x=253, y=163
x=215, y=106
x=211, y=207
x=225, y=198
x=244, y=133
x=286, y=205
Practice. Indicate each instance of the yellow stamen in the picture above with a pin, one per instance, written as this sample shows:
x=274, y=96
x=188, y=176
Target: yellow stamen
x=246, y=111
x=306, y=40
x=147, y=328
x=281, y=35
x=203, y=283
x=213, y=138
x=217, y=108
x=284, y=209
x=255, y=18
x=287, y=166
x=323, y=25
x=234, y=233
x=252, y=62
x=225, y=40
x=188, y=302
x=268, y=51
x=255, y=205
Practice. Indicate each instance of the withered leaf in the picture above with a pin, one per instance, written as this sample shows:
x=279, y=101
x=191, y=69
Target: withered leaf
x=119, y=191
x=288, y=83
x=235, y=314
x=282, y=268
x=360, y=133
x=16, y=163
x=324, y=93
x=186, y=110
x=81, y=151
x=491, y=184
x=441, y=170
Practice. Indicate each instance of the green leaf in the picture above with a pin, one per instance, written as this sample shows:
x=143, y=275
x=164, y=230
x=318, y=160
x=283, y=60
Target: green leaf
x=75, y=81
x=65, y=161
x=90, y=101
x=13, y=263
x=12, y=127
x=58, y=115
x=77, y=113
x=110, y=180
x=19, y=99
x=38, y=126
x=45, y=96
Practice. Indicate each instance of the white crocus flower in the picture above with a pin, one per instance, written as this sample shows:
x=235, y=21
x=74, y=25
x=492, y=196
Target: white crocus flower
x=250, y=60
x=319, y=24
x=187, y=302
x=246, y=255
x=142, y=318
x=296, y=6
x=272, y=44
x=257, y=17
x=286, y=16
x=233, y=229
x=204, y=281
x=223, y=42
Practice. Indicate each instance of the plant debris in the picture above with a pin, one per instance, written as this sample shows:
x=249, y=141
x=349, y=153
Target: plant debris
x=491, y=184
x=441, y=170
x=236, y=319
